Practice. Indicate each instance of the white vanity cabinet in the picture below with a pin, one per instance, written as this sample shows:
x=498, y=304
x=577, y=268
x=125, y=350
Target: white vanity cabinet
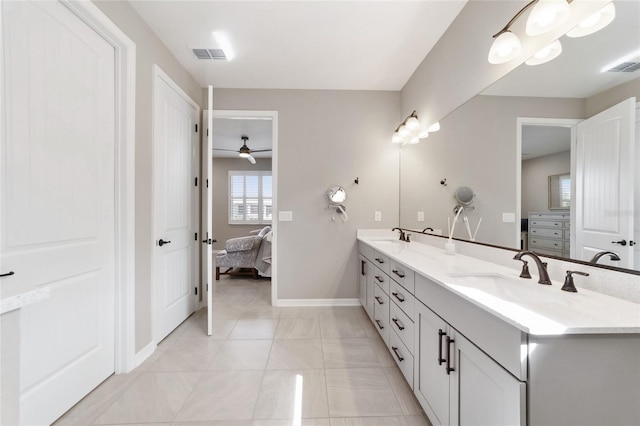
x=366, y=285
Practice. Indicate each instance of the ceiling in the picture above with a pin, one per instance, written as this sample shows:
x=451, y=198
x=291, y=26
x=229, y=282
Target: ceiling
x=538, y=141
x=227, y=133
x=341, y=45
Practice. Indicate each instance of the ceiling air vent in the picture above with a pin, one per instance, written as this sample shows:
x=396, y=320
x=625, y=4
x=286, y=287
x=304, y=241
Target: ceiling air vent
x=209, y=54
x=625, y=67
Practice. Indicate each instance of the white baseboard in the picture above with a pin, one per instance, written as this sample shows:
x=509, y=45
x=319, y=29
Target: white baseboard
x=144, y=353
x=318, y=302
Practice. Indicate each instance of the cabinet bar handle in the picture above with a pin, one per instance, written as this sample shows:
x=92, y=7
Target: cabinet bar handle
x=398, y=274
x=379, y=260
x=440, y=334
x=380, y=280
x=449, y=367
x=379, y=300
x=401, y=299
x=362, y=264
x=395, y=350
x=379, y=325
x=398, y=323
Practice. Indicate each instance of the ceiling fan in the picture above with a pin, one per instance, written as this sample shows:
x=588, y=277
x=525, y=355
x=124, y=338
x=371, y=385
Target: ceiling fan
x=244, y=150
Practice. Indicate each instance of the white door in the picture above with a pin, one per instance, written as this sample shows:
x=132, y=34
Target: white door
x=58, y=201
x=207, y=208
x=175, y=155
x=605, y=184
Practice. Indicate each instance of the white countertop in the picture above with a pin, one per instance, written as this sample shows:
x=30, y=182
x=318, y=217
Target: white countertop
x=531, y=307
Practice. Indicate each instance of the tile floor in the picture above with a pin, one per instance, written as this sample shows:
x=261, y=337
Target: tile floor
x=247, y=373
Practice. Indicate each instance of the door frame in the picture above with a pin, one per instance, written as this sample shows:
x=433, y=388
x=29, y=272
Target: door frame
x=571, y=123
x=125, y=97
x=158, y=73
x=220, y=113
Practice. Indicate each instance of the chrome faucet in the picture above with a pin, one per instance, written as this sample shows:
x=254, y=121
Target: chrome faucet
x=428, y=228
x=542, y=267
x=611, y=254
x=402, y=237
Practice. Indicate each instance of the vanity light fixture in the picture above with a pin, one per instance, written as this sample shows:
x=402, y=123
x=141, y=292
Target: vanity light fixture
x=408, y=131
x=545, y=16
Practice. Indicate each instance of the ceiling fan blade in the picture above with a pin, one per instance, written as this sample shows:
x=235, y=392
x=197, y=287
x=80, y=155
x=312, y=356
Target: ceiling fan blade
x=251, y=159
x=261, y=150
x=222, y=149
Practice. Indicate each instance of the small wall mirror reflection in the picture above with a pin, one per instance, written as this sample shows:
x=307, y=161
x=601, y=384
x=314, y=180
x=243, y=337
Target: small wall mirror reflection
x=337, y=195
x=465, y=197
x=560, y=192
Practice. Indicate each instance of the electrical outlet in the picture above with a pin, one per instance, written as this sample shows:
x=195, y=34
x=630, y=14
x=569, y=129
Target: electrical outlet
x=420, y=216
x=508, y=217
x=285, y=216
x=378, y=216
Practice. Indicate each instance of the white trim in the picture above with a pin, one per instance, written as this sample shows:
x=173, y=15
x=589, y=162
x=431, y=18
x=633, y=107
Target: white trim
x=572, y=123
x=159, y=74
x=317, y=302
x=274, y=182
x=125, y=63
x=144, y=353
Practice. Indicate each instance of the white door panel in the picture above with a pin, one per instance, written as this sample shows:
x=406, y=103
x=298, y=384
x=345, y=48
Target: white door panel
x=207, y=207
x=175, y=142
x=58, y=201
x=605, y=183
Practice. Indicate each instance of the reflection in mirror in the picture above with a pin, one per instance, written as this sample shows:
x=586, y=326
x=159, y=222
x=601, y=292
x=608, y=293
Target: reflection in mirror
x=479, y=141
x=560, y=192
x=337, y=195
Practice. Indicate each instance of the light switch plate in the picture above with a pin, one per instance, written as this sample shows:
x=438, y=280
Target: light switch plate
x=285, y=216
x=508, y=217
x=378, y=216
x=420, y=216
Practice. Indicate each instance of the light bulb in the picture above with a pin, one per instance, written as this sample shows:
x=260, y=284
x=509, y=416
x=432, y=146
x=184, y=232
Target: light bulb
x=244, y=155
x=547, y=15
x=423, y=134
x=546, y=54
x=505, y=47
x=404, y=131
x=396, y=138
x=412, y=124
x=434, y=127
x=595, y=22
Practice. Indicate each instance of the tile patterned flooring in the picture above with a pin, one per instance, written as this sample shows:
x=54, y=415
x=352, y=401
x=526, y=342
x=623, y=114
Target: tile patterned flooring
x=245, y=374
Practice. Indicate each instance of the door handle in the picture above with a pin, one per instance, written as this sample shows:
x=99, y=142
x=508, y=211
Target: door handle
x=621, y=242
x=163, y=242
x=8, y=274
x=449, y=367
x=632, y=243
x=208, y=241
x=440, y=334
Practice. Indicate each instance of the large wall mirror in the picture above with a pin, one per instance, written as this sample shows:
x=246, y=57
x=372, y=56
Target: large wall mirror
x=508, y=141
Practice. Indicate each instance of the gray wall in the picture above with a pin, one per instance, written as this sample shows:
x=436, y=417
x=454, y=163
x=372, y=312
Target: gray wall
x=327, y=138
x=149, y=51
x=476, y=147
x=222, y=231
x=604, y=100
x=535, y=180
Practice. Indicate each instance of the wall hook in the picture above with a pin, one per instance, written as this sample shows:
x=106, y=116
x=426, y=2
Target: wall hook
x=443, y=182
x=357, y=181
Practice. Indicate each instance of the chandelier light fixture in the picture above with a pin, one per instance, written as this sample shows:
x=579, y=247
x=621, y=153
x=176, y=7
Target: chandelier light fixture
x=545, y=16
x=409, y=131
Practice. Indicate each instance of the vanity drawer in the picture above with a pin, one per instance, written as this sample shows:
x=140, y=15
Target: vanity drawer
x=403, y=357
x=545, y=244
x=549, y=216
x=381, y=279
x=546, y=223
x=402, y=275
x=402, y=325
x=381, y=261
x=547, y=232
x=381, y=303
x=381, y=322
x=401, y=297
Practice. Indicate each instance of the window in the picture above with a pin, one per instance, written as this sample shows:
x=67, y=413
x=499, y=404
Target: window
x=250, y=197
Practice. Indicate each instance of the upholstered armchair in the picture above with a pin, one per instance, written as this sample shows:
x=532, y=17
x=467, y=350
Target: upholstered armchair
x=240, y=254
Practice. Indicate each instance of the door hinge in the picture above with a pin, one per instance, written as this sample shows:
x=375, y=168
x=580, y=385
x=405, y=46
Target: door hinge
x=196, y=236
x=196, y=289
x=207, y=287
x=207, y=183
x=196, y=179
x=207, y=132
x=196, y=128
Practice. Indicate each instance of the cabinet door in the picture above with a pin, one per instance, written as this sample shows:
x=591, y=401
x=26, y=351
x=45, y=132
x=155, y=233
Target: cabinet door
x=482, y=392
x=431, y=382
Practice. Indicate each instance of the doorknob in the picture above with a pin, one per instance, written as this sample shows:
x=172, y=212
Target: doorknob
x=163, y=242
x=632, y=243
x=208, y=241
x=621, y=242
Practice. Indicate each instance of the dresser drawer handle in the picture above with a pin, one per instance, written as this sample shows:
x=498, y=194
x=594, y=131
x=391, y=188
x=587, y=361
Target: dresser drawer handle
x=379, y=300
x=399, y=297
x=380, y=326
x=398, y=274
x=380, y=280
x=379, y=260
x=395, y=350
x=398, y=323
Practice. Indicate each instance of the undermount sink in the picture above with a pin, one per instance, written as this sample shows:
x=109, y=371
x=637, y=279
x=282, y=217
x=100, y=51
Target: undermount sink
x=506, y=288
